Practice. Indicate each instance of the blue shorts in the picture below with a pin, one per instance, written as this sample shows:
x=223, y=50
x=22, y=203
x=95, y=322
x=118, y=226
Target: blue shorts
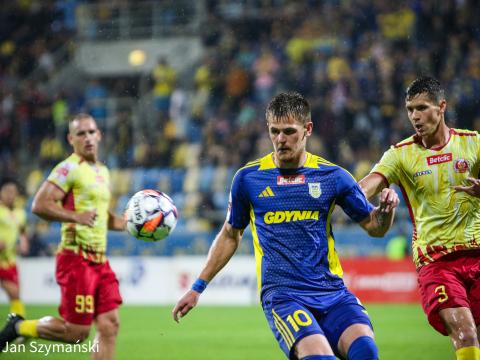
x=293, y=317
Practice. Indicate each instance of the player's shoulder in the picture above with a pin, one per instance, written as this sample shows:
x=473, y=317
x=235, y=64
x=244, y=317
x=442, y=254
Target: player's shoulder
x=264, y=163
x=67, y=165
x=405, y=143
x=464, y=132
x=249, y=168
x=328, y=168
x=103, y=167
x=20, y=213
x=316, y=161
x=73, y=159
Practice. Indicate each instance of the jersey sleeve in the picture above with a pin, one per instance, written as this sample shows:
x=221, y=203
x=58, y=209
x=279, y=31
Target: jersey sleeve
x=388, y=166
x=351, y=198
x=62, y=175
x=238, y=214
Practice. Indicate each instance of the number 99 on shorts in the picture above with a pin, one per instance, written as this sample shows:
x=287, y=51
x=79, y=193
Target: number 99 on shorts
x=84, y=304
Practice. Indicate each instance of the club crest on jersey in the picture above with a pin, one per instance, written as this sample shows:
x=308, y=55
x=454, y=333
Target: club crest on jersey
x=461, y=165
x=314, y=190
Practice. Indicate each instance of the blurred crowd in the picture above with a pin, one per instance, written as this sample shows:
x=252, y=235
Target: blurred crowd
x=351, y=59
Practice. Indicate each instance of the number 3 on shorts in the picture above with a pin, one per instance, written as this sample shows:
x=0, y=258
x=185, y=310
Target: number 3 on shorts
x=442, y=294
x=84, y=304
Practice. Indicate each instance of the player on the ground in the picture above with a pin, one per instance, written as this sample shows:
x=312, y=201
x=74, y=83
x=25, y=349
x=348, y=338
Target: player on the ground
x=12, y=228
x=437, y=170
x=288, y=198
x=77, y=193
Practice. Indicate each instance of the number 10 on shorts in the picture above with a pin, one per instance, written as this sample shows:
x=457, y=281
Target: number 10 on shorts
x=299, y=318
x=84, y=304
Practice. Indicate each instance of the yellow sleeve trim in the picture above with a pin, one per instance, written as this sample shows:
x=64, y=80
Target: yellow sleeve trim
x=267, y=162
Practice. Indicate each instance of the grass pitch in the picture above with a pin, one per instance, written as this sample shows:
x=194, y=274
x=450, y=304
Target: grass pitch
x=241, y=333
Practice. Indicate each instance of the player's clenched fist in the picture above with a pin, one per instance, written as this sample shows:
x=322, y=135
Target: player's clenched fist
x=87, y=218
x=185, y=304
x=388, y=200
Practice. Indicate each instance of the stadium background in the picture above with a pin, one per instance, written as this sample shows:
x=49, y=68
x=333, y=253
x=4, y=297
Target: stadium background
x=179, y=89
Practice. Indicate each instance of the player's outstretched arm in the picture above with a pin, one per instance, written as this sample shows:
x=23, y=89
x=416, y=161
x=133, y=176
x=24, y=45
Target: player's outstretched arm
x=381, y=218
x=24, y=243
x=116, y=222
x=46, y=205
x=222, y=249
x=372, y=184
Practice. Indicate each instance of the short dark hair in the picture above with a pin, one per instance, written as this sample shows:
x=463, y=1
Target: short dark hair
x=8, y=180
x=427, y=85
x=284, y=105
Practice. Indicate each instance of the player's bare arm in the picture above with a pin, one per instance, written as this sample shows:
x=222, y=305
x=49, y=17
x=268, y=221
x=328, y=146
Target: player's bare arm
x=473, y=189
x=24, y=244
x=222, y=249
x=46, y=204
x=372, y=184
x=381, y=218
x=116, y=222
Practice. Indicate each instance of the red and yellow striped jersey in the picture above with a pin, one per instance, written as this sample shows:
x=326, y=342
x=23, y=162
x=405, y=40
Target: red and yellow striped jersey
x=87, y=187
x=11, y=223
x=444, y=220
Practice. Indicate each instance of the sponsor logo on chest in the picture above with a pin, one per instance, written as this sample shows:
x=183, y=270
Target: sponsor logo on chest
x=278, y=217
x=439, y=159
x=290, y=179
x=421, y=173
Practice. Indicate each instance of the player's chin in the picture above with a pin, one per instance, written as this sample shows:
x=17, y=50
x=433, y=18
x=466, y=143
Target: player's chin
x=89, y=154
x=283, y=157
x=283, y=154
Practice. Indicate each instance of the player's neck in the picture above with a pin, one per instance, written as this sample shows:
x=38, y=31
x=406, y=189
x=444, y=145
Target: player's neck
x=438, y=139
x=293, y=163
x=7, y=206
x=90, y=159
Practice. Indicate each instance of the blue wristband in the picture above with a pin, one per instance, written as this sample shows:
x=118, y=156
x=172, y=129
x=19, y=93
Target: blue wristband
x=199, y=285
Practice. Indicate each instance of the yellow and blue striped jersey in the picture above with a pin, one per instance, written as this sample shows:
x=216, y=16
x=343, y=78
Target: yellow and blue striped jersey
x=290, y=213
x=444, y=220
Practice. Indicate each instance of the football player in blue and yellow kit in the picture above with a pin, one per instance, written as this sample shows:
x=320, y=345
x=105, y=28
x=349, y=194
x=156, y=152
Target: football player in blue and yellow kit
x=288, y=198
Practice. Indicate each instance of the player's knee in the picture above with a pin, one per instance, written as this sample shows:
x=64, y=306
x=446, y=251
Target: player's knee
x=363, y=348
x=77, y=335
x=465, y=335
x=108, y=326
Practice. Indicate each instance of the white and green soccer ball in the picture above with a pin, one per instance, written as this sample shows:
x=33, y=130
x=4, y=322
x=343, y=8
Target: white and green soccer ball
x=151, y=215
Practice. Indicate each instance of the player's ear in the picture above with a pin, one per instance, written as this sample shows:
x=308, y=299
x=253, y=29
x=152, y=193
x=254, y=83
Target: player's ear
x=442, y=105
x=308, y=128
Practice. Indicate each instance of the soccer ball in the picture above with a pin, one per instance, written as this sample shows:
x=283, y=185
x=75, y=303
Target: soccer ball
x=151, y=215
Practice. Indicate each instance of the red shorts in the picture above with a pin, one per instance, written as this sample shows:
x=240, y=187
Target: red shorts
x=451, y=281
x=9, y=274
x=87, y=288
